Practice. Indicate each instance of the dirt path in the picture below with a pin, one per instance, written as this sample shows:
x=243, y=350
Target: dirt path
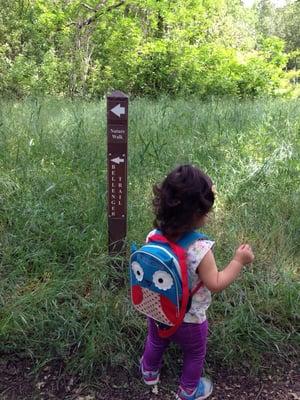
x=17, y=382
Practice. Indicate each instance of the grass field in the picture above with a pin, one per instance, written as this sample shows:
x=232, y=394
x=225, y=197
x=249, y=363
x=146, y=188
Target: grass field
x=61, y=297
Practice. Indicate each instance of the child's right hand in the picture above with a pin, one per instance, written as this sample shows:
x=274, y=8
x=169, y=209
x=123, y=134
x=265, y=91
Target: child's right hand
x=244, y=254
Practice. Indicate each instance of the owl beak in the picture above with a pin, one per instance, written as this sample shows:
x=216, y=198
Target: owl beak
x=147, y=283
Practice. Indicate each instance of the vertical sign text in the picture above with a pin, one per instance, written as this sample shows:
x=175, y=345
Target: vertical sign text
x=117, y=131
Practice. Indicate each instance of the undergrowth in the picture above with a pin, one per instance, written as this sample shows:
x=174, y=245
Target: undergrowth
x=62, y=297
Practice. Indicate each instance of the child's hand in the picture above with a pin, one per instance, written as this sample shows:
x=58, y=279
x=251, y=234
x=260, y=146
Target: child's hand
x=244, y=254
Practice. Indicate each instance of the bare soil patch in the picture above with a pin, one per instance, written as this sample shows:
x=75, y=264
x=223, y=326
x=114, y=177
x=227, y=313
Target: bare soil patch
x=18, y=381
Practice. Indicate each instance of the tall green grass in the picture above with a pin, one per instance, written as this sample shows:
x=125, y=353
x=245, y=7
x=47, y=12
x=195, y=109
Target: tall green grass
x=60, y=295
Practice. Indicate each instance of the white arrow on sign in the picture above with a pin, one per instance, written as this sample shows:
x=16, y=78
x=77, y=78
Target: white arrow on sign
x=117, y=160
x=118, y=110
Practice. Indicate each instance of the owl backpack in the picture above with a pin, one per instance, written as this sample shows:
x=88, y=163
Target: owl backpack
x=159, y=280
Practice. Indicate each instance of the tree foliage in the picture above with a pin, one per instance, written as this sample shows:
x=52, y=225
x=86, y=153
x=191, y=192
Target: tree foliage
x=144, y=47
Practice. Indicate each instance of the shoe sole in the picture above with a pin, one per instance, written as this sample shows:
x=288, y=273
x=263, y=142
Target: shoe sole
x=154, y=382
x=197, y=398
x=206, y=396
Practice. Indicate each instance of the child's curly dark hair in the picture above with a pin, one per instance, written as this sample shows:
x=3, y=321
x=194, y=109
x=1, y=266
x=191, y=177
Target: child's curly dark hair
x=185, y=195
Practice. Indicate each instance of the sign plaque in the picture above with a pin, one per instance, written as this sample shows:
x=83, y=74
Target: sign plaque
x=117, y=132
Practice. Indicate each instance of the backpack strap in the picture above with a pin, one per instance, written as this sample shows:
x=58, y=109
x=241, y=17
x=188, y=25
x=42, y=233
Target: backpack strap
x=181, y=255
x=188, y=238
x=185, y=241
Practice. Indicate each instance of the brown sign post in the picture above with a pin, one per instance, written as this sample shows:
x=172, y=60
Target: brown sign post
x=117, y=133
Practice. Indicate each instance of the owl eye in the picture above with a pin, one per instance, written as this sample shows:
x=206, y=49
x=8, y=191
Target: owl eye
x=138, y=271
x=162, y=280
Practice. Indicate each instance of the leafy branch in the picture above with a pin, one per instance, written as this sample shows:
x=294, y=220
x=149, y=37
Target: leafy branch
x=97, y=12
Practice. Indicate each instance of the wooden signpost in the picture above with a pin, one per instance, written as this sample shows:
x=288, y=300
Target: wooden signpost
x=117, y=133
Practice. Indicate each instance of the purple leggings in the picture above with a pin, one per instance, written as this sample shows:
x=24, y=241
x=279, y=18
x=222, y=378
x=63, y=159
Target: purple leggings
x=191, y=338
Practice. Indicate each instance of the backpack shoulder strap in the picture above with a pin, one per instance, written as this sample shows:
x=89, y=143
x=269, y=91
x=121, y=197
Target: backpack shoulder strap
x=188, y=238
x=185, y=241
x=181, y=255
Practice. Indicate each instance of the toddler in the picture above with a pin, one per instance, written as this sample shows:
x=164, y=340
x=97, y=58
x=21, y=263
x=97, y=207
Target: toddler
x=182, y=204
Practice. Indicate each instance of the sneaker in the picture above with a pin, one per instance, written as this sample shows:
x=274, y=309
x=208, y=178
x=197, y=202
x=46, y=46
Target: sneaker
x=149, y=377
x=203, y=390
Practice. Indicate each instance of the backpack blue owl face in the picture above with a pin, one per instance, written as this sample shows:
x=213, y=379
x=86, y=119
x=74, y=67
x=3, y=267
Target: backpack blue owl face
x=155, y=283
x=156, y=279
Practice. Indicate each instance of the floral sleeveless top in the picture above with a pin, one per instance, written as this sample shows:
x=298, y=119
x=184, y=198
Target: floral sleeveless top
x=202, y=298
